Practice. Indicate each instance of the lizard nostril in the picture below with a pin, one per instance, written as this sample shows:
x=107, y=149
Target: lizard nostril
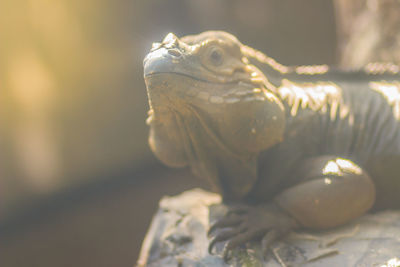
x=174, y=52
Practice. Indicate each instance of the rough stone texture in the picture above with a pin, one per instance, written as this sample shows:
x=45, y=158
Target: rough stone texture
x=178, y=237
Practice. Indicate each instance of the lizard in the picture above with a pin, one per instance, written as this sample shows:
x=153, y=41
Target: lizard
x=288, y=147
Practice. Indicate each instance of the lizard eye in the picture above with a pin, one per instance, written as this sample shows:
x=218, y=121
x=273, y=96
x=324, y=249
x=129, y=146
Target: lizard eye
x=216, y=56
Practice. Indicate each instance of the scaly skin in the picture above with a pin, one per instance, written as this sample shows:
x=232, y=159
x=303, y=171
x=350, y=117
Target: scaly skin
x=297, y=147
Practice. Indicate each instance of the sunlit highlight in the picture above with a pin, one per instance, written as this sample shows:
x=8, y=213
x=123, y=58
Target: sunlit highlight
x=316, y=96
x=391, y=92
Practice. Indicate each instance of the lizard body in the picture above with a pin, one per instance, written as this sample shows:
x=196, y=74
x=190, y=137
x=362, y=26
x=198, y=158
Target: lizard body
x=302, y=146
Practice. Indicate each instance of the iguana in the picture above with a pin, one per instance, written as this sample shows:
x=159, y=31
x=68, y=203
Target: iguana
x=289, y=147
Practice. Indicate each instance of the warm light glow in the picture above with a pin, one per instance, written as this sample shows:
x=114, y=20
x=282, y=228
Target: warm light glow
x=31, y=83
x=32, y=88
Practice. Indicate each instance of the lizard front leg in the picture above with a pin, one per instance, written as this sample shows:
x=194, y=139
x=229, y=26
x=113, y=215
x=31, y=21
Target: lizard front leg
x=331, y=192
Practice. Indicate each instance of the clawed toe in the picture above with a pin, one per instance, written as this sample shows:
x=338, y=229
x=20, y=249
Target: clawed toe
x=268, y=239
x=244, y=224
x=237, y=209
x=226, y=254
x=229, y=221
x=237, y=238
x=223, y=236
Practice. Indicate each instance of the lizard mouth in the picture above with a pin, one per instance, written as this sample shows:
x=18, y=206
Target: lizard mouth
x=176, y=78
x=233, y=82
x=154, y=74
x=184, y=88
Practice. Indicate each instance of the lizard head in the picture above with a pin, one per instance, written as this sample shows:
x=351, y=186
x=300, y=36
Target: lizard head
x=207, y=101
x=210, y=74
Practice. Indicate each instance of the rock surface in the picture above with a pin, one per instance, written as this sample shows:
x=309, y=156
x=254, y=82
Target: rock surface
x=178, y=237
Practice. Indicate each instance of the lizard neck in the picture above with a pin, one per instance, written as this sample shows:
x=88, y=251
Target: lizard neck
x=303, y=90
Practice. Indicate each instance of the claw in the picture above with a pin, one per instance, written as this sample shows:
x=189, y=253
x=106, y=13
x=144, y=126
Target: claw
x=266, y=223
x=238, y=209
x=225, y=222
x=224, y=236
x=267, y=241
x=211, y=246
x=238, y=240
x=226, y=254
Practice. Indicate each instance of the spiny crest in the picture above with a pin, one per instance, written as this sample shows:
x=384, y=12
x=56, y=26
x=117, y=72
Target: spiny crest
x=263, y=58
x=381, y=68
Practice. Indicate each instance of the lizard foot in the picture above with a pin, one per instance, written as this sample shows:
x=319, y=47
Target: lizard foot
x=251, y=223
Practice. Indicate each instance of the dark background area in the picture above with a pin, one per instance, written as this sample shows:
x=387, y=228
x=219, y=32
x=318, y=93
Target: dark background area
x=78, y=183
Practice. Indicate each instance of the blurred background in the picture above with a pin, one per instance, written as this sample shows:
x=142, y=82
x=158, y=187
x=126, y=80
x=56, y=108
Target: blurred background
x=78, y=183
